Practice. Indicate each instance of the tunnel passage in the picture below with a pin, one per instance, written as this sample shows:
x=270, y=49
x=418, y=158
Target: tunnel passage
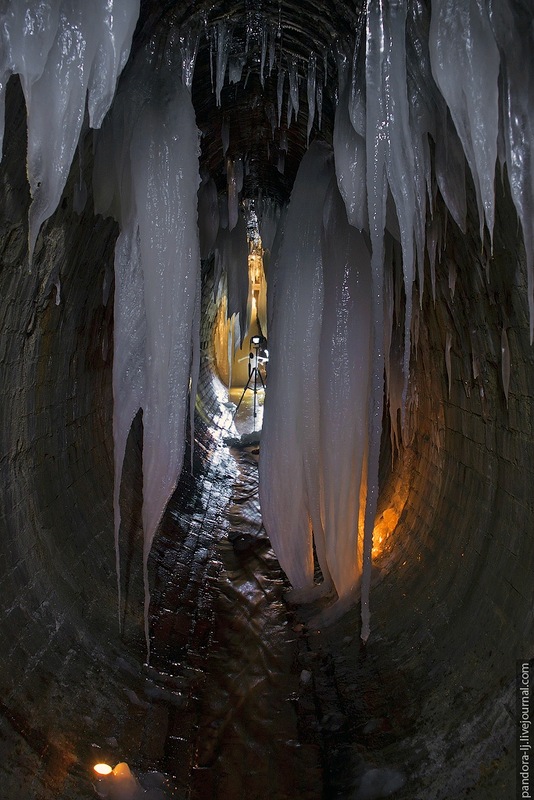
x=432, y=693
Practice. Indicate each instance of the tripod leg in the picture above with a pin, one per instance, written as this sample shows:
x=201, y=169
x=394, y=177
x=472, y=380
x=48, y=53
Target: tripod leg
x=247, y=386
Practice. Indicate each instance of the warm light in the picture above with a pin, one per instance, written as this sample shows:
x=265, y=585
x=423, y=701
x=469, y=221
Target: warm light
x=103, y=769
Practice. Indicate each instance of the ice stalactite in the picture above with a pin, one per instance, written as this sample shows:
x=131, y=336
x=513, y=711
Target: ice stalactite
x=310, y=85
x=294, y=98
x=465, y=65
x=68, y=55
x=289, y=477
x=223, y=38
x=150, y=145
x=344, y=369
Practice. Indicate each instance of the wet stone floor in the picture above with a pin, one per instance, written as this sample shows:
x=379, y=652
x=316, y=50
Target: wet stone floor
x=249, y=704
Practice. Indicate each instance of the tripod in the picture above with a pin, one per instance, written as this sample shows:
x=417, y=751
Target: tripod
x=253, y=374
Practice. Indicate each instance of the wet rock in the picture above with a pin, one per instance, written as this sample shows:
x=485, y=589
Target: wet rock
x=377, y=783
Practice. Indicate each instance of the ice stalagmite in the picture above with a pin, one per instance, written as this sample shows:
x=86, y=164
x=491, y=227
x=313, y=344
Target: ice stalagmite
x=465, y=65
x=289, y=477
x=344, y=396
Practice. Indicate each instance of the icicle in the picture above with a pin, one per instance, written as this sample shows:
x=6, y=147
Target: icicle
x=235, y=68
x=272, y=43
x=350, y=158
x=263, y=54
x=344, y=375
x=376, y=203
x=465, y=65
x=505, y=363
x=280, y=93
x=319, y=94
x=223, y=42
x=448, y=344
x=312, y=64
x=165, y=153
x=189, y=41
x=233, y=196
x=294, y=87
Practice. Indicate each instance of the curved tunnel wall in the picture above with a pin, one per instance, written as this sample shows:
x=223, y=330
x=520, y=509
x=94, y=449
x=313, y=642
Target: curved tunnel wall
x=452, y=608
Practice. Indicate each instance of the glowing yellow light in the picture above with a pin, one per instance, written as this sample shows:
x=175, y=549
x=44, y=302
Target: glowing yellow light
x=103, y=769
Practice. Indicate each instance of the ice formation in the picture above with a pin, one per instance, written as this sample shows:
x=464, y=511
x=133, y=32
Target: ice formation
x=150, y=145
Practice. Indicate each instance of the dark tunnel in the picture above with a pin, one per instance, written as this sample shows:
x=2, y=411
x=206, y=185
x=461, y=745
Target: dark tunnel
x=241, y=697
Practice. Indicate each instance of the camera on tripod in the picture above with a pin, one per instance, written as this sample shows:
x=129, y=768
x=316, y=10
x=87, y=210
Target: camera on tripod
x=258, y=357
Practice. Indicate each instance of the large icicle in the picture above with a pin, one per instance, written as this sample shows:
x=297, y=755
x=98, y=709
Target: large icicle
x=164, y=151
x=344, y=369
x=289, y=477
x=465, y=65
x=146, y=174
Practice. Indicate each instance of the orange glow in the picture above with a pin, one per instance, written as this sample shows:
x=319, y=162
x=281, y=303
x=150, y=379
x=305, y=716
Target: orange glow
x=388, y=519
x=102, y=769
